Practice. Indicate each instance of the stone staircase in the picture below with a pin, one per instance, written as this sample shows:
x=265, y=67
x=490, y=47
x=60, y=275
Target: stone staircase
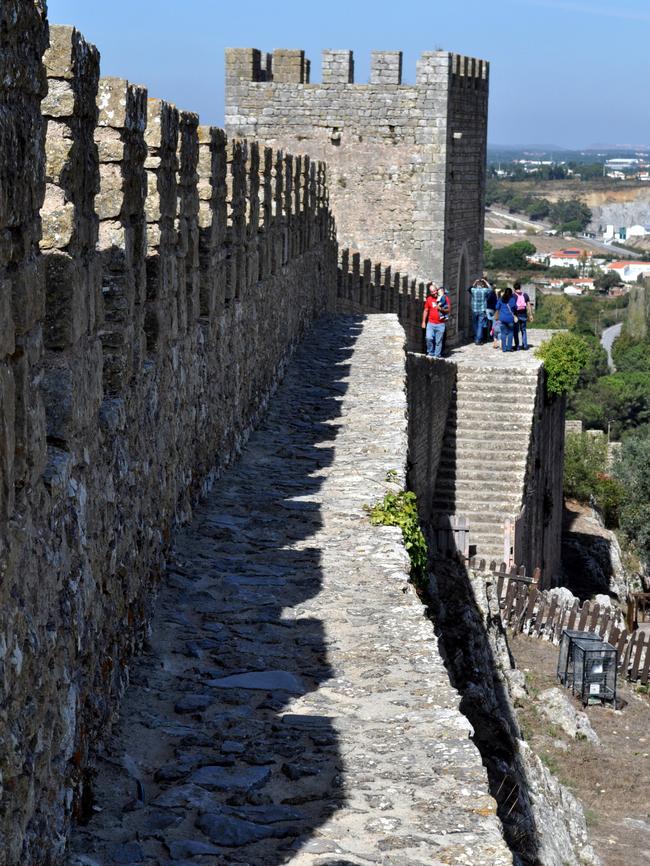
x=485, y=448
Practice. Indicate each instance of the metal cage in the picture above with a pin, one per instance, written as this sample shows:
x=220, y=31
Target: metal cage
x=565, y=657
x=594, y=671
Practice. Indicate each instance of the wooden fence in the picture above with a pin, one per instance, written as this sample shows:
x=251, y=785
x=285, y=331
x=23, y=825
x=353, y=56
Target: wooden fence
x=450, y=536
x=529, y=610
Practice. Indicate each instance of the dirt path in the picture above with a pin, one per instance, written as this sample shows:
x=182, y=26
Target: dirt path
x=611, y=779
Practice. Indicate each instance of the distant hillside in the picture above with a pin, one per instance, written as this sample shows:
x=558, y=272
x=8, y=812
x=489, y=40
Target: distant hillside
x=618, y=203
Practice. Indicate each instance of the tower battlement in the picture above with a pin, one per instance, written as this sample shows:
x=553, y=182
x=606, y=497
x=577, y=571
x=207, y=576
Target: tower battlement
x=406, y=160
x=291, y=66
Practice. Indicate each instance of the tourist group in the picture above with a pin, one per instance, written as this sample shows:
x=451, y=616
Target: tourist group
x=501, y=314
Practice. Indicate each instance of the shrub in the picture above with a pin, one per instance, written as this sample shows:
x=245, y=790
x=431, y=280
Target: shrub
x=400, y=509
x=586, y=477
x=632, y=470
x=565, y=356
x=620, y=401
x=554, y=311
x=630, y=355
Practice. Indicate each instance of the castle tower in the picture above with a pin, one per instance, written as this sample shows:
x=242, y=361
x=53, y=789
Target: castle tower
x=406, y=162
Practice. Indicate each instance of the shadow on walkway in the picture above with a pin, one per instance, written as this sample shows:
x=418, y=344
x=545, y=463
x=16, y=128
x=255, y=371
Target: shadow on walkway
x=220, y=749
x=470, y=634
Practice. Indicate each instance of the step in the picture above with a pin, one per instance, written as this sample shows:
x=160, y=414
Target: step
x=466, y=452
x=482, y=493
x=502, y=386
x=492, y=412
x=492, y=402
x=447, y=501
x=467, y=430
x=476, y=520
x=469, y=487
x=469, y=467
x=478, y=530
x=479, y=476
x=473, y=371
x=491, y=540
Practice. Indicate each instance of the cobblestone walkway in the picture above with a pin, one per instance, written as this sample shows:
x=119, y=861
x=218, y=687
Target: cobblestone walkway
x=292, y=706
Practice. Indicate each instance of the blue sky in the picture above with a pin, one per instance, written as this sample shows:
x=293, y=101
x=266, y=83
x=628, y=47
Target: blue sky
x=563, y=73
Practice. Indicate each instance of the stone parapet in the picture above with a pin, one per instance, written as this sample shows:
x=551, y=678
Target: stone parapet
x=120, y=203
x=366, y=287
x=142, y=331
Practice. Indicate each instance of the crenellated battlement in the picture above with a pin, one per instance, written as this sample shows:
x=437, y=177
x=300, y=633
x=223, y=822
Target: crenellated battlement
x=406, y=160
x=290, y=66
x=156, y=276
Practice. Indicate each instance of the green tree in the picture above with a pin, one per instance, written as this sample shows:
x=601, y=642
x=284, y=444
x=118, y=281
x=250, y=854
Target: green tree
x=570, y=215
x=488, y=249
x=620, y=401
x=554, y=311
x=590, y=171
x=513, y=257
x=586, y=477
x=565, y=357
x=539, y=209
x=562, y=271
x=606, y=281
x=630, y=355
x=596, y=366
x=632, y=469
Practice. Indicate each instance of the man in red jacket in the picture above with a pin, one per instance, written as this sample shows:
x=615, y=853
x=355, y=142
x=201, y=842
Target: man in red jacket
x=434, y=319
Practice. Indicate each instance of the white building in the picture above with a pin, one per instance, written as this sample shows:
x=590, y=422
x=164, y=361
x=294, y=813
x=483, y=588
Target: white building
x=628, y=271
x=568, y=258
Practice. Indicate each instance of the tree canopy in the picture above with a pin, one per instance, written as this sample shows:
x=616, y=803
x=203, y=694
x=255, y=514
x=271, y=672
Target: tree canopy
x=565, y=357
x=510, y=258
x=632, y=469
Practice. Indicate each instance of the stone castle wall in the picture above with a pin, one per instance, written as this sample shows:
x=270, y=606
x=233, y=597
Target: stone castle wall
x=365, y=288
x=406, y=161
x=138, y=346
x=538, y=529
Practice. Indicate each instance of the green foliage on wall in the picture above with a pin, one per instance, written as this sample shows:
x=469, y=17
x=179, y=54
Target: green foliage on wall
x=400, y=509
x=565, y=357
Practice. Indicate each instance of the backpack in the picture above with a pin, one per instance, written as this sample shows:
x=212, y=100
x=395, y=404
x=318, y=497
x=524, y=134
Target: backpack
x=521, y=302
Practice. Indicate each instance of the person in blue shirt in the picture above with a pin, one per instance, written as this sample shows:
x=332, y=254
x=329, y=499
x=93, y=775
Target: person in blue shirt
x=479, y=291
x=505, y=313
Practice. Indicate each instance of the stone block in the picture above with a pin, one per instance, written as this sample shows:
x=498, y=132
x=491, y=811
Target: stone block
x=289, y=66
x=112, y=102
x=110, y=145
x=66, y=307
x=60, y=99
x=7, y=330
x=28, y=291
x=386, y=67
x=110, y=199
x=7, y=440
x=58, y=219
x=59, y=58
x=58, y=150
